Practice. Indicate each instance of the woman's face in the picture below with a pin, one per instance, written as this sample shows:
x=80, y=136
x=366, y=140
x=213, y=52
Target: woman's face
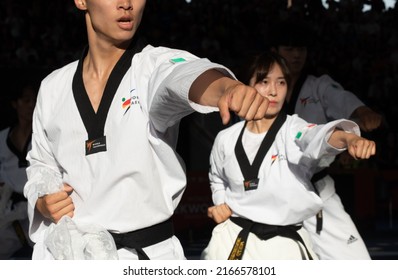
x=274, y=87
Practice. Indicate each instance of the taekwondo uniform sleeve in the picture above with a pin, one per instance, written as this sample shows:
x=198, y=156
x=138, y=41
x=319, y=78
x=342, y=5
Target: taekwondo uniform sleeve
x=43, y=172
x=337, y=102
x=169, y=84
x=312, y=149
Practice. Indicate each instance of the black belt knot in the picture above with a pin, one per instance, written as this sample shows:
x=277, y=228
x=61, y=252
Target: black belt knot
x=145, y=237
x=264, y=232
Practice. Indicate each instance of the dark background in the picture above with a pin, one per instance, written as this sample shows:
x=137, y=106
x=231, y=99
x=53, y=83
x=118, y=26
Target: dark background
x=358, y=49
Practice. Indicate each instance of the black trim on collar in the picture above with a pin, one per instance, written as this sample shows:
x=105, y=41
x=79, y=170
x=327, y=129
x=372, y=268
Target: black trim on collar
x=250, y=171
x=95, y=122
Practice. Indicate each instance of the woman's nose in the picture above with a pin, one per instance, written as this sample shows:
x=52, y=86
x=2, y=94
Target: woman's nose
x=273, y=90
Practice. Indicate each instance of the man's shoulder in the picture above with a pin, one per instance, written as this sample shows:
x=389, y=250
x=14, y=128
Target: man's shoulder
x=161, y=53
x=61, y=73
x=322, y=83
x=321, y=79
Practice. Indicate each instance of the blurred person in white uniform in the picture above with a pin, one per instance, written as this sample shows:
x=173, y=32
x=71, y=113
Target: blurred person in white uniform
x=15, y=142
x=320, y=99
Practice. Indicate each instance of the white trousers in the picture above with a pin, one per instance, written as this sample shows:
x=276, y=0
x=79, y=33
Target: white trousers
x=339, y=238
x=276, y=248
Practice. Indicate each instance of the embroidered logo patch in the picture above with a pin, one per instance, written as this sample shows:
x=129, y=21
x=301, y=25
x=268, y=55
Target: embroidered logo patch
x=300, y=133
x=250, y=184
x=177, y=60
x=126, y=103
x=308, y=100
x=273, y=158
x=96, y=145
x=351, y=239
x=304, y=101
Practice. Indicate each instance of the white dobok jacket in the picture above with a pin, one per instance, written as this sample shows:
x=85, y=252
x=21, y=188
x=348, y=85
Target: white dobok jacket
x=139, y=180
x=284, y=194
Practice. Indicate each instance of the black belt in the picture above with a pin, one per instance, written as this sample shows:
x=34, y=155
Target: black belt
x=318, y=176
x=319, y=216
x=264, y=232
x=145, y=237
x=17, y=197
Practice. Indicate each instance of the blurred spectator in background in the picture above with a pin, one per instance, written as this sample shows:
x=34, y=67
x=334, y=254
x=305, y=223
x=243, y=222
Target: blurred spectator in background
x=15, y=141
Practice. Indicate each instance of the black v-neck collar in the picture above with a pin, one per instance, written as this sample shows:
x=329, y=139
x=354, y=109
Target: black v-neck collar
x=21, y=155
x=95, y=122
x=250, y=171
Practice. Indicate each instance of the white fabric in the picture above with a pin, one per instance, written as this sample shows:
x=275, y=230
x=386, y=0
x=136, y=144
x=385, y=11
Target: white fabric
x=139, y=180
x=68, y=241
x=276, y=248
x=159, y=251
x=321, y=99
x=251, y=143
x=339, y=239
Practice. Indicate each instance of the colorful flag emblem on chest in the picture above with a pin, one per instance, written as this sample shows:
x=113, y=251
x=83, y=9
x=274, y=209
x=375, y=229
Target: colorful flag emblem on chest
x=126, y=103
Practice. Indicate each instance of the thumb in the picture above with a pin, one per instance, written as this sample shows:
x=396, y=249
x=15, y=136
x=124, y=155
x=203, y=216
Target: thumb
x=67, y=188
x=224, y=112
x=352, y=151
x=210, y=211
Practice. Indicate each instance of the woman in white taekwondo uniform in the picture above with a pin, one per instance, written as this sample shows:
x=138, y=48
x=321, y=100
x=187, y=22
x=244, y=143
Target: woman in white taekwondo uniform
x=260, y=174
x=319, y=100
x=103, y=156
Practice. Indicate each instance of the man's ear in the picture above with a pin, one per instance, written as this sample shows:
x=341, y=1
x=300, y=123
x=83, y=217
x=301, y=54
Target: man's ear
x=81, y=4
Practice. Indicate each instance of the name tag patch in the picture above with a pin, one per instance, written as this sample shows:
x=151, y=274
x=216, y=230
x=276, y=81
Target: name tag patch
x=96, y=145
x=251, y=184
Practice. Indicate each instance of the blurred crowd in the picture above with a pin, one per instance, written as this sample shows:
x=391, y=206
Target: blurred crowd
x=359, y=49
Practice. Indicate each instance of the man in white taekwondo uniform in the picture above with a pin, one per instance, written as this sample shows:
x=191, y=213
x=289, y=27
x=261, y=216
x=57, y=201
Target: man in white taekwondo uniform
x=109, y=161
x=319, y=100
